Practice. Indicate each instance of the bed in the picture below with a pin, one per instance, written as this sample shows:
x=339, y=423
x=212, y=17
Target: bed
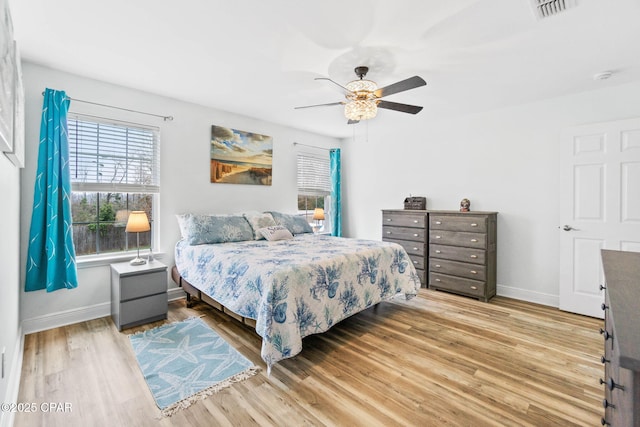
x=292, y=288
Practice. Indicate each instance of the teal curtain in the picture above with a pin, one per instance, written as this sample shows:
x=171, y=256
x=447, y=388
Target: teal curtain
x=51, y=258
x=336, y=202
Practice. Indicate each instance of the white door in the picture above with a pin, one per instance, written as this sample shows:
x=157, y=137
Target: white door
x=599, y=207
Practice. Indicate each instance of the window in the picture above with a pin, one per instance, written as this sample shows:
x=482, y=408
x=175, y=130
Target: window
x=115, y=169
x=314, y=187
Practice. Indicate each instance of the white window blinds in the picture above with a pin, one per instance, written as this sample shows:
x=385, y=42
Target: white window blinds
x=113, y=157
x=314, y=175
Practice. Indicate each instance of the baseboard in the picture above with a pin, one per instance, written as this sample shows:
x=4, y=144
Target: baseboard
x=529, y=296
x=67, y=317
x=77, y=315
x=13, y=381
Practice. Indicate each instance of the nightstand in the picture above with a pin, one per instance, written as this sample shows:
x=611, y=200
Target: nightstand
x=138, y=293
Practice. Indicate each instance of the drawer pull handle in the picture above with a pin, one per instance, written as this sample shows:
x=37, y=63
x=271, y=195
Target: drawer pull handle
x=604, y=360
x=474, y=287
x=415, y=221
x=437, y=265
x=438, y=280
x=415, y=249
x=602, y=287
x=388, y=232
x=389, y=219
x=438, y=237
x=415, y=262
x=606, y=404
x=473, y=224
x=415, y=234
x=438, y=222
x=603, y=306
x=611, y=384
x=473, y=272
x=604, y=422
x=606, y=334
x=438, y=251
x=474, y=240
x=474, y=256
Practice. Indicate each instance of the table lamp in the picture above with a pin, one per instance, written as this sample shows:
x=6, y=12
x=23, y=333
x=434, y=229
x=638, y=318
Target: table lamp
x=318, y=215
x=137, y=223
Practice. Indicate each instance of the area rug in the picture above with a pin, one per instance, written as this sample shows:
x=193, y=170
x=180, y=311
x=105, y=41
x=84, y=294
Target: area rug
x=187, y=361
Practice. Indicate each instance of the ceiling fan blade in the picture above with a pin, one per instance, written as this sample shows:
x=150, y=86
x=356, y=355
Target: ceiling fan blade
x=344, y=89
x=319, y=105
x=401, y=86
x=405, y=108
x=352, y=122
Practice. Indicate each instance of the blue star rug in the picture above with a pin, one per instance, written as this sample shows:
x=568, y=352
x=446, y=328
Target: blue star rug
x=187, y=361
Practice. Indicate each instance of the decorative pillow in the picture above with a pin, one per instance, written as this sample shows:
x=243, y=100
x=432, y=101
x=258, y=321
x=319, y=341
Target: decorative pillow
x=182, y=223
x=296, y=224
x=276, y=232
x=203, y=229
x=259, y=220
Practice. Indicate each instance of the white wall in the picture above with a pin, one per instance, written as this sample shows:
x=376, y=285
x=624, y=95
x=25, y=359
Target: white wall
x=10, y=338
x=185, y=185
x=505, y=160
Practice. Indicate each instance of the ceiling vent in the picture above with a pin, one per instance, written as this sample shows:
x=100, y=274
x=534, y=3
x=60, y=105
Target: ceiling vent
x=546, y=8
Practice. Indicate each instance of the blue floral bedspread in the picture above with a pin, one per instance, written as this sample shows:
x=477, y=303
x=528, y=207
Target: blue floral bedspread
x=294, y=288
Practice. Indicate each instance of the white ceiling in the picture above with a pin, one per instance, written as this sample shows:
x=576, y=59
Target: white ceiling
x=259, y=58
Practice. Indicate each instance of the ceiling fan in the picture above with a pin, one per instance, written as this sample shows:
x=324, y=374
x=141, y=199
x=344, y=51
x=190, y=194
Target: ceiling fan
x=363, y=98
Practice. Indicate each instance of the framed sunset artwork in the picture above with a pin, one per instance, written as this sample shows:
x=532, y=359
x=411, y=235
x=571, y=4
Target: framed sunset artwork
x=239, y=157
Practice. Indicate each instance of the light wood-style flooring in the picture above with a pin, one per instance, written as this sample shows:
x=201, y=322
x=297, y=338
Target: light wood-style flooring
x=436, y=360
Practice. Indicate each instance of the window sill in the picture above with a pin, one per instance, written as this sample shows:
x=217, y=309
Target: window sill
x=90, y=261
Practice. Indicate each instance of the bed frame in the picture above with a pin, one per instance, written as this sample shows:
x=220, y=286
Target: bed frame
x=192, y=292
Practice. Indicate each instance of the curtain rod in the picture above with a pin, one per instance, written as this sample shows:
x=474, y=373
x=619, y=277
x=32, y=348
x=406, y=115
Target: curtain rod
x=313, y=146
x=165, y=118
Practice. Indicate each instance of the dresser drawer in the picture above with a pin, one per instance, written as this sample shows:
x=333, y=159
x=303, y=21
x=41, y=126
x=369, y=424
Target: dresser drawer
x=463, y=269
x=455, y=253
x=403, y=233
x=457, y=284
x=137, y=285
x=404, y=219
x=471, y=223
x=455, y=238
x=412, y=248
x=418, y=261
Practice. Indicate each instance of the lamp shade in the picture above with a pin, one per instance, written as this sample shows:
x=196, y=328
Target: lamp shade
x=318, y=214
x=138, y=222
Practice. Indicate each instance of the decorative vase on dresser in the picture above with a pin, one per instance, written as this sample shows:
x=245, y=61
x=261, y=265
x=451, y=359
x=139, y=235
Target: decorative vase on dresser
x=621, y=334
x=462, y=252
x=409, y=229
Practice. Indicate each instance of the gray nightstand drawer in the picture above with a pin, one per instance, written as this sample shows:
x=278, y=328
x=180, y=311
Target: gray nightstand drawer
x=141, y=309
x=140, y=285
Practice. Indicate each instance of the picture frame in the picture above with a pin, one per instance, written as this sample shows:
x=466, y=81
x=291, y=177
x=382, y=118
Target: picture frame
x=7, y=83
x=16, y=155
x=239, y=157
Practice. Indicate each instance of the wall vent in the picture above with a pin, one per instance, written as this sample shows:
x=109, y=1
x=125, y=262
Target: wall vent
x=546, y=8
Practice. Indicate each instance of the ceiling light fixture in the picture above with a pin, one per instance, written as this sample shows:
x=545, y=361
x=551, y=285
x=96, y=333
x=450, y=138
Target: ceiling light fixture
x=362, y=103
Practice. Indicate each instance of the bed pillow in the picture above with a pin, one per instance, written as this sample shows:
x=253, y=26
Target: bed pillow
x=203, y=229
x=296, y=224
x=259, y=220
x=182, y=223
x=276, y=232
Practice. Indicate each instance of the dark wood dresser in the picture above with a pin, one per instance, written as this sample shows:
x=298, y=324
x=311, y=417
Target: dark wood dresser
x=409, y=229
x=462, y=252
x=621, y=335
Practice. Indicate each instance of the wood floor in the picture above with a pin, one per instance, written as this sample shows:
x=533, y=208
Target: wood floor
x=436, y=360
